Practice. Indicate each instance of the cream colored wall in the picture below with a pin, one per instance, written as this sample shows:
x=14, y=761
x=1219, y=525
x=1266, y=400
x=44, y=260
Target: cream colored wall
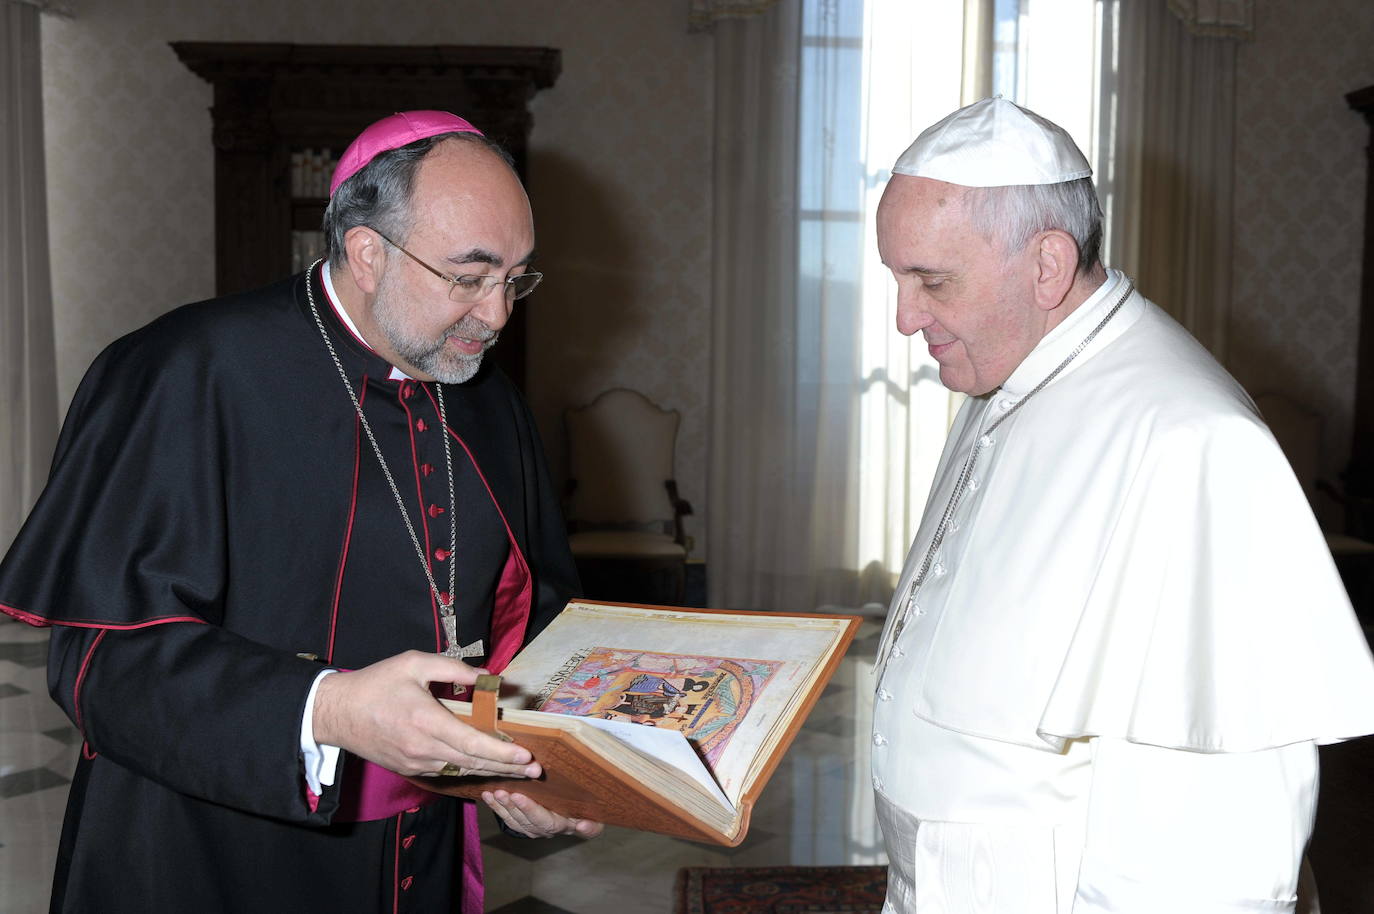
x=1299, y=207
x=619, y=176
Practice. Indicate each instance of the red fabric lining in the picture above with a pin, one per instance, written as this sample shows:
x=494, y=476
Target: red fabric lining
x=43, y=622
x=348, y=533
x=76, y=693
x=474, y=888
x=511, y=612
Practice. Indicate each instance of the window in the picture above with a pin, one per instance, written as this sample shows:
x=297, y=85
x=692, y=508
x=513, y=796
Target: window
x=874, y=74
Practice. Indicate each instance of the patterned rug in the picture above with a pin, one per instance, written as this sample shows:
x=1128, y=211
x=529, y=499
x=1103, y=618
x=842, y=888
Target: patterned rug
x=781, y=890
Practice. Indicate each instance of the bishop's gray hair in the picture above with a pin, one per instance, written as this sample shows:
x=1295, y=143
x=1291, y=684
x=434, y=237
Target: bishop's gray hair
x=1012, y=215
x=378, y=196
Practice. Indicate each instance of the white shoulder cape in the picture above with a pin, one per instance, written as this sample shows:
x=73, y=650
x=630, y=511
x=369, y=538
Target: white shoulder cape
x=1138, y=561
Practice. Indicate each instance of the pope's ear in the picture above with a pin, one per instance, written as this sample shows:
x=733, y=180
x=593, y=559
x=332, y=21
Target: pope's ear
x=1056, y=266
x=366, y=259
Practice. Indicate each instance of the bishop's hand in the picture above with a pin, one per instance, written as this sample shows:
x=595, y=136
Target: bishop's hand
x=386, y=714
x=523, y=815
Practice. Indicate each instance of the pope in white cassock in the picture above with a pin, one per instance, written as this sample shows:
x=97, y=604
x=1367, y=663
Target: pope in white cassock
x=1119, y=636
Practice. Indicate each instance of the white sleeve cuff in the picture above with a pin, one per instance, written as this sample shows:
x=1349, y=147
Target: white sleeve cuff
x=321, y=762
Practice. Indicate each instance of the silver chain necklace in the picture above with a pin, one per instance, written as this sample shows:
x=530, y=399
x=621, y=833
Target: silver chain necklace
x=447, y=616
x=966, y=473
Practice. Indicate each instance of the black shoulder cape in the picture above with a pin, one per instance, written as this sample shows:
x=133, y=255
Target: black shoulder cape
x=214, y=512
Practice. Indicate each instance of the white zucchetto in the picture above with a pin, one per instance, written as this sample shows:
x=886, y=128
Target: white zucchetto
x=993, y=143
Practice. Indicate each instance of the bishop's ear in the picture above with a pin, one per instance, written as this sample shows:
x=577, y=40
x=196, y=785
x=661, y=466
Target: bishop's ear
x=366, y=257
x=1056, y=266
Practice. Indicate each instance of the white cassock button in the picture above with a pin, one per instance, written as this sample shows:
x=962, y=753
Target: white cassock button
x=1006, y=403
x=879, y=739
x=953, y=526
x=985, y=441
x=973, y=484
x=897, y=651
x=884, y=695
x=938, y=569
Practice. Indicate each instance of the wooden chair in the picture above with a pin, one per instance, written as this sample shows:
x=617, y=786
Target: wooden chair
x=624, y=512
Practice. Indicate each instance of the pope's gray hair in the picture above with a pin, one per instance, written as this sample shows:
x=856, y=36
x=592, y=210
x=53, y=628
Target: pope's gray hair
x=378, y=195
x=1012, y=215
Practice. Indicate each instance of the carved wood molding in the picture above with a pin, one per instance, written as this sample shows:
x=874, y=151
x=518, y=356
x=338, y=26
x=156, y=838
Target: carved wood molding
x=322, y=94
x=537, y=67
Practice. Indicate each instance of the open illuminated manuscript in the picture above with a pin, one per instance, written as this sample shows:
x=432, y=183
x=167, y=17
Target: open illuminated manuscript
x=661, y=718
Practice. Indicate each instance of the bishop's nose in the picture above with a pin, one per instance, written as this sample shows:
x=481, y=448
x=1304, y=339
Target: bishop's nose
x=494, y=308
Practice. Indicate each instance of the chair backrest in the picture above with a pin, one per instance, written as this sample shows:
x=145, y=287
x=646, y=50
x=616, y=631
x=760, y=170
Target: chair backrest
x=620, y=450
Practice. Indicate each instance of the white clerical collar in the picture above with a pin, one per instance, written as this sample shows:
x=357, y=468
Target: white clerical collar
x=329, y=293
x=1056, y=345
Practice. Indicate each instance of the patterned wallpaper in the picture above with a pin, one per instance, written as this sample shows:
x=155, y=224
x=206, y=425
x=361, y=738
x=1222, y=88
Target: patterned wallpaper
x=619, y=176
x=1300, y=192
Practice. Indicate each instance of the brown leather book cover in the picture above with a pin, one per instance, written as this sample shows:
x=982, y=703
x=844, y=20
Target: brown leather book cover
x=580, y=782
x=589, y=774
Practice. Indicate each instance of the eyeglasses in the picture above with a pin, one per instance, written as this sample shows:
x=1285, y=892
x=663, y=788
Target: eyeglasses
x=468, y=288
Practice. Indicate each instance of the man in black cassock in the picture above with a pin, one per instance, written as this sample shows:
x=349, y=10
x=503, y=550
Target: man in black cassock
x=263, y=515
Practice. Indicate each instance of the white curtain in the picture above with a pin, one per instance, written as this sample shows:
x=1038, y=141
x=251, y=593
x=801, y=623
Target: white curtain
x=758, y=516
x=28, y=403
x=1168, y=91
x=702, y=15
x=916, y=69
x=1225, y=18
x=826, y=423
x=61, y=7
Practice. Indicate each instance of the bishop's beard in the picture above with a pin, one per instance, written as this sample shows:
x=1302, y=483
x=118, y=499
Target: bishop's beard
x=432, y=356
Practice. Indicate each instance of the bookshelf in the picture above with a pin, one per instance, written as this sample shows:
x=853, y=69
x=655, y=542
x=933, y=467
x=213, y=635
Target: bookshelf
x=274, y=103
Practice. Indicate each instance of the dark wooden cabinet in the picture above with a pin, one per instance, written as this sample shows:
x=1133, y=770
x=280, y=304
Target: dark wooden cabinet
x=271, y=100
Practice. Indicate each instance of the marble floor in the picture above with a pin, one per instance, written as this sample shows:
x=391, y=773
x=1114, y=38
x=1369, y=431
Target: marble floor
x=817, y=808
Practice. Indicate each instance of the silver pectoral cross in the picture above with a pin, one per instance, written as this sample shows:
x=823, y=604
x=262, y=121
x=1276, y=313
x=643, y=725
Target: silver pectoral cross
x=454, y=649
x=468, y=650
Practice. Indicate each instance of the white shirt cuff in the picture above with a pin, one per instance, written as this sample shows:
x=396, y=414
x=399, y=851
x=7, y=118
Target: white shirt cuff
x=321, y=762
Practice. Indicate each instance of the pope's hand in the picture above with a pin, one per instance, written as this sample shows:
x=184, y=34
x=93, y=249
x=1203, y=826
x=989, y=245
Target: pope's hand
x=386, y=714
x=528, y=818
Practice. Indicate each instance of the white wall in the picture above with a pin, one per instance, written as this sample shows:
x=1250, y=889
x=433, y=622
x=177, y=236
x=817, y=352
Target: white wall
x=619, y=176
